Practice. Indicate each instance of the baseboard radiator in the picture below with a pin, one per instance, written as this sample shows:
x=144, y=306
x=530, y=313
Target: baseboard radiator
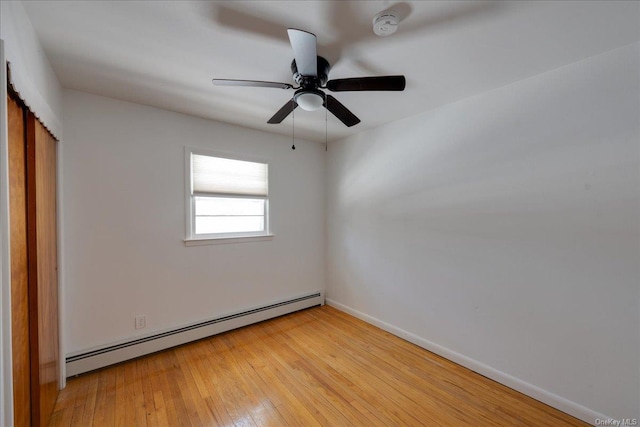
x=109, y=355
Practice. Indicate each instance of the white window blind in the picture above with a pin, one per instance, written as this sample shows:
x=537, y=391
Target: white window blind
x=216, y=175
x=225, y=198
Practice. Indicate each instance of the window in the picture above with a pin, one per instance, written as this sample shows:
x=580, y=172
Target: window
x=227, y=197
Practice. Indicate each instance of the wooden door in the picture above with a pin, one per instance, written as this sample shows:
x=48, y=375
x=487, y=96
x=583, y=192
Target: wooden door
x=34, y=266
x=19, y=266
x=43, y=270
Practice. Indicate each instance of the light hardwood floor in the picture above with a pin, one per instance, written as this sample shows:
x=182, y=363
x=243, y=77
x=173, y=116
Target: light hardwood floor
x=317, y=367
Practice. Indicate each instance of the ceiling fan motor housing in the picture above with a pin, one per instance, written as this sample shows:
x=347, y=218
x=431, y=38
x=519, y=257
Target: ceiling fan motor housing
x=312, y=82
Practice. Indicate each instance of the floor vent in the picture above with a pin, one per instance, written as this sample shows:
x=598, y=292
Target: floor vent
x=104, y=356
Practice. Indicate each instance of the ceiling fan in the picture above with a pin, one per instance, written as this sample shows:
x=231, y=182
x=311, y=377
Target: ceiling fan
x=311, y=72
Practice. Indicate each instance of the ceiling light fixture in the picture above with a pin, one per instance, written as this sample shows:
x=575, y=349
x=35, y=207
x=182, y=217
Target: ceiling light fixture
x=309, y=99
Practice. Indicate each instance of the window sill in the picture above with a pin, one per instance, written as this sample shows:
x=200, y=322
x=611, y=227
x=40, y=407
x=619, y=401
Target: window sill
x=226, y=240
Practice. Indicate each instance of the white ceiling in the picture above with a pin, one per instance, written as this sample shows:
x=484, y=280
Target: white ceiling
x=165, y=53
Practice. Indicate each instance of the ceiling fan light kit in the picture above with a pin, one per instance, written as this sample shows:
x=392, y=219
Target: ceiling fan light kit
x=309, y=100
x=311, y=73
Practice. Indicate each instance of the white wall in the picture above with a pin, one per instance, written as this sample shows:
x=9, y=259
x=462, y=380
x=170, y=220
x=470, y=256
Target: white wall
x=125, y=222
x=31, y=73
x=503, y=230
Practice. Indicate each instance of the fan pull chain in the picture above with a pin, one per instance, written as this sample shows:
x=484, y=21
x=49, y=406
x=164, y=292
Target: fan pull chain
x=325, y=129
x=293, y=125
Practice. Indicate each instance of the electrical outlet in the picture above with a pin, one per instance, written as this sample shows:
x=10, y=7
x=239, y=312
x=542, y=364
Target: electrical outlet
x=141, y=322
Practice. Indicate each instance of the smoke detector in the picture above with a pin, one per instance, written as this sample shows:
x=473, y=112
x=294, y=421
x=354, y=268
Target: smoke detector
x=386, y=22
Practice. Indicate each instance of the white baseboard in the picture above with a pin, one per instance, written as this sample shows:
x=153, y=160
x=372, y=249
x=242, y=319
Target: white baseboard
x=581, y=412
x=89, y=360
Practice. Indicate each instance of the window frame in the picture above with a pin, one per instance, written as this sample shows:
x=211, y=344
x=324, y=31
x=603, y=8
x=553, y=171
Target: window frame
x=193, y=239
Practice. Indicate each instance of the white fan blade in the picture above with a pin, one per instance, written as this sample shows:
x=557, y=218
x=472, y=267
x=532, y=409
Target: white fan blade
x=304, y=51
